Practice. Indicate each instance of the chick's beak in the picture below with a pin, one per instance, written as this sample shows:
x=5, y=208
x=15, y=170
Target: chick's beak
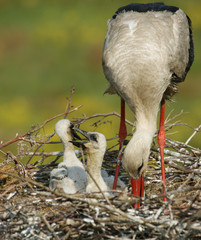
x=73, y=132
x=75, y=135
x=84, y=133
x=77, y=141
x=78, y=144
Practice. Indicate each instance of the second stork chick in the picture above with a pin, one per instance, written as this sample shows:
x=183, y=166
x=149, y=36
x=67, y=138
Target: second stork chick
x=95, y=148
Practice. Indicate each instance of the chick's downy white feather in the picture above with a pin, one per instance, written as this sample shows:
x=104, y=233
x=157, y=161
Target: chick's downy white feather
x=95, y=149
x=70, y=174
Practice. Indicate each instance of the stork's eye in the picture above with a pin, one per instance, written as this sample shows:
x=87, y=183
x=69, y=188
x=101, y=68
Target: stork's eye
x=71, y=125
x=139, y=169
x=93, y=137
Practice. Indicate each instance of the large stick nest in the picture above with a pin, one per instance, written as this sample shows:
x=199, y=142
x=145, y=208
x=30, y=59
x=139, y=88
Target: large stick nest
x=30, y=210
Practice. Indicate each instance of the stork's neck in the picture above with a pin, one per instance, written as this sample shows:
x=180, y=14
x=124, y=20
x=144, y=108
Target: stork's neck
x=69, y=156
x=146, y=121
x=94, y=163
x=137, y=151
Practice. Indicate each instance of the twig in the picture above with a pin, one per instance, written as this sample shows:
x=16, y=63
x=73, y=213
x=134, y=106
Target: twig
x=177, y=143
x=168, y=119
x=169, y=152
x=10, y=188
x=69, y=102
x=185, y=182
x=104, y=115
x=196, y=130
x=33, y=142
x=46, y=154
x=180, y=124
x=48, y=226
x=67, y=235
x=182, y=168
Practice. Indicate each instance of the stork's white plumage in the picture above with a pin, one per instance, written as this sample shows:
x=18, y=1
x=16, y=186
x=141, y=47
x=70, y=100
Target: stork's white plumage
x=148, y=50
x=70, y=175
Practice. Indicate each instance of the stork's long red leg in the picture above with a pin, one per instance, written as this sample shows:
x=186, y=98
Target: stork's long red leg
x=122, y=136
x=161, y=142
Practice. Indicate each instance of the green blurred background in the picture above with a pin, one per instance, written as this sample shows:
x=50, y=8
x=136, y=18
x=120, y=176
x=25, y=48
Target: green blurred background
x=48, y=46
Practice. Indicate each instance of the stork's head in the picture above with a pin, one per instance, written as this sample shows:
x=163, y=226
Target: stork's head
x=136, y=154
x=65, y=130
x=95, y=144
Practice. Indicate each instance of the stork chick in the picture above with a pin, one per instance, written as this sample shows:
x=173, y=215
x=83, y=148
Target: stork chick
x=70, y=175
x=95, y=149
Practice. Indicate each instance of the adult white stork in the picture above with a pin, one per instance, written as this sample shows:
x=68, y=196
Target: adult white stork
x=148, y=50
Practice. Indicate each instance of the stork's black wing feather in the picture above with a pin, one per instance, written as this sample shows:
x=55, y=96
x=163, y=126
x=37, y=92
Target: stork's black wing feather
x=137, y=7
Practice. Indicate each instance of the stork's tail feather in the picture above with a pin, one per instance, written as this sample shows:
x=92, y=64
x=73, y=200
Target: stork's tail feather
x=110, y=90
